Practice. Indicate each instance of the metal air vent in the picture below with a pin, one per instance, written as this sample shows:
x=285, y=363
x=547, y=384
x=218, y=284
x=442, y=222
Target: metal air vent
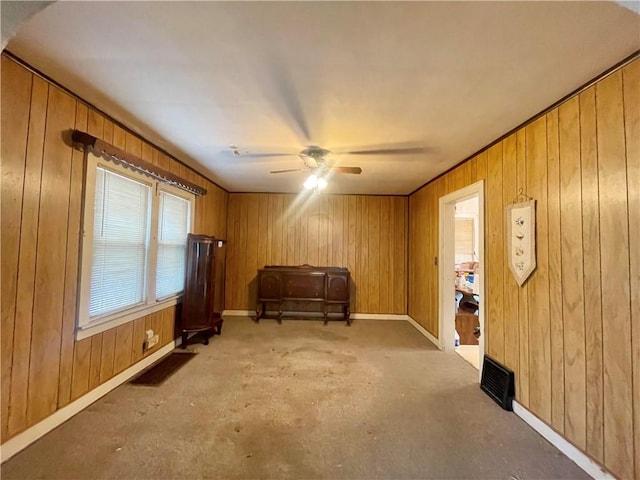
x=498, y=382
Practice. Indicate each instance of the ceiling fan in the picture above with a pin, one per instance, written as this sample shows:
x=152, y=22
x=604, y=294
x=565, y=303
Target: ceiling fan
x=314, y=159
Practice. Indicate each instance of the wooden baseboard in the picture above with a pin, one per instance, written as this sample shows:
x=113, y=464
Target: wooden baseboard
x=591, y=467
x=425, y=332
x=353, y=316
x=31, y=434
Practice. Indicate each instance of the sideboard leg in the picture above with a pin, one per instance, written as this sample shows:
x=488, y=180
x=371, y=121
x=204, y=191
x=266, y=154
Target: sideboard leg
x=260, y=311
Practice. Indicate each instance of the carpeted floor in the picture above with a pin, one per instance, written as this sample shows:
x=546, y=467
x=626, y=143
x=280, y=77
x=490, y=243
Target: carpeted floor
x=301, y=401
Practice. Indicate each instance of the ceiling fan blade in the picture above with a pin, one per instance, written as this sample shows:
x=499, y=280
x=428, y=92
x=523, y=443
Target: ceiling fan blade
x=290, y=170
x=263, y=155
x=289, y=103
x=354, y=170
x=389, y=151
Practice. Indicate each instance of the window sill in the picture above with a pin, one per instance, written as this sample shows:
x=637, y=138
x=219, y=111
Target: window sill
x=100, y=326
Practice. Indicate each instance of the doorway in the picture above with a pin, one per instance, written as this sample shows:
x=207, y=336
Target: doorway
x=461, y=273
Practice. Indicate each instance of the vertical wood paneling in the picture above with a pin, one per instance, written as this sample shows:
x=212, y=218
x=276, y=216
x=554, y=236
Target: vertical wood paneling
x=138, y=336
x=384, y=255
x=168, y=325
x=578, y=348
x=43, y=366
x=94, y=361
x=276, y=238
x=124, y=343
x=494, y=259
x=320, y=230
x=263, y=213
x=572, y=273
x=397, y=256
x=591, y=271
x=352, y=207
x=252, y=240
x=81, y=366
x=37, y=376
x=631, y=85
x=510, y=287
x=523, y=292
x=336, y=246
x=241, y=240
x=313, y=245
x=373, y=236
x=107, y=355
x=293, y=225
x=325, y=230
x=363, y=255
x=539, y=325
x=27, y=261
x=15, y=125
x=614, y=244
x=345, y=231
x=302, y=244
x=232, y=225
x=50, y=259
x=555, y=274
x=423, y=280
x=74, y=226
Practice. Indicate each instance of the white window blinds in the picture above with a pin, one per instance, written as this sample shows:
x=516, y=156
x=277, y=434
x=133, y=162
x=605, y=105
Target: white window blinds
x=173, y=226
x=120, y=243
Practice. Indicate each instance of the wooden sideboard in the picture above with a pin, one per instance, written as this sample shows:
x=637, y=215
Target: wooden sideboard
x=282, y=285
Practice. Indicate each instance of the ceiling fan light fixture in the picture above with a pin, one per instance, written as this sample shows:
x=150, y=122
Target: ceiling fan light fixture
x=311, y=182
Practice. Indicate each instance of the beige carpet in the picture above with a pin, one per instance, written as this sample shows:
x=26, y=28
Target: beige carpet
x=300, y=401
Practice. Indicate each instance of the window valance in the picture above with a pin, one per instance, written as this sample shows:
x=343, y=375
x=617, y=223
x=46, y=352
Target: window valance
x=120, y=157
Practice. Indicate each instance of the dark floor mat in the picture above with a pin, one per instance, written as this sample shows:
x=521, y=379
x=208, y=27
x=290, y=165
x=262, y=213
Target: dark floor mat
x=160, y=372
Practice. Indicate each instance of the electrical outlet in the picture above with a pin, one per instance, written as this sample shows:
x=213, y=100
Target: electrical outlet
x=150, y=342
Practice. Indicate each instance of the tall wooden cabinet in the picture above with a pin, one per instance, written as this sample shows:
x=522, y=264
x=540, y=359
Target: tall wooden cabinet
x=198, y=316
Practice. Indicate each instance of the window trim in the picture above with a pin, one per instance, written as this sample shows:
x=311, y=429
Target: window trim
x=85, y=327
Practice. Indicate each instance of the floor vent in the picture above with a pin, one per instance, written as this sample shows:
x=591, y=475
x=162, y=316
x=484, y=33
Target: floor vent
x=498, y=382
x=160, y=371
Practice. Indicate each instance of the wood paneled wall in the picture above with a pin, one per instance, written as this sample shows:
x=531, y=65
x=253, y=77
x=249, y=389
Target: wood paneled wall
x=572, y=332
x=43, y=367
x=366, y=234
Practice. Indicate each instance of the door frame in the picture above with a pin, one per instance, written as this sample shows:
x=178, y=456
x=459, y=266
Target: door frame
x=446, y=236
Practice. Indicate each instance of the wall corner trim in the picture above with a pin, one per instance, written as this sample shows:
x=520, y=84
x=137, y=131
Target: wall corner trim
x=30, y=435
x=425, y=332
x=591, y=467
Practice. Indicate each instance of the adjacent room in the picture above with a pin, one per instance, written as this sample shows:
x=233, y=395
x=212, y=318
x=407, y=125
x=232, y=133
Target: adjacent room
x=320, y=240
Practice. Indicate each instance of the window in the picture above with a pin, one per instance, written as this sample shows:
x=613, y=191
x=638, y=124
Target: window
x=120, y=244
x=134, y=241
x=465, y=240
x=173, y=226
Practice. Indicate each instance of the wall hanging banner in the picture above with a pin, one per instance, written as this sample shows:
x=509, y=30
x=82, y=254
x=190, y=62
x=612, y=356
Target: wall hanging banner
x=521, y=239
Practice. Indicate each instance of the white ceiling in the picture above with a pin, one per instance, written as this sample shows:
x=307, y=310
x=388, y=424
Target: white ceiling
x=446, y=78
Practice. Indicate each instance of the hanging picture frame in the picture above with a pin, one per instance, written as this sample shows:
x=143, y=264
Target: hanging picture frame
x=521, y=239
